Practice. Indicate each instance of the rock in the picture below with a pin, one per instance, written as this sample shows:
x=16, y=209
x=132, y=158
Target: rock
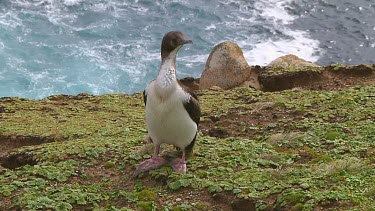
x=215, y=88
x=253, y=80
x=226, y=67
x=291, y=60
x=192, y=83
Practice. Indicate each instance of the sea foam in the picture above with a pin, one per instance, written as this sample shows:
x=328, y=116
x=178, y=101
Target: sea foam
x=293, y=41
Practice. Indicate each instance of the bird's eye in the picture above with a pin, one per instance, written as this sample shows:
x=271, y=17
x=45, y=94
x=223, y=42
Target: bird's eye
x=174, y=41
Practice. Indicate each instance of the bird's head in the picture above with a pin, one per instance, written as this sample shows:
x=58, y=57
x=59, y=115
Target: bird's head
x=172, y=42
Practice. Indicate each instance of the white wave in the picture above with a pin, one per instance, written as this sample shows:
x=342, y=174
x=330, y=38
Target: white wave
x=300, y=45
x=193, y=59
x=298, y=42
x=274, y=10
x=45, y=3
x=273, y=16
x=10, y=20
x=71, y=2
x=210, y=27
x=115, y=65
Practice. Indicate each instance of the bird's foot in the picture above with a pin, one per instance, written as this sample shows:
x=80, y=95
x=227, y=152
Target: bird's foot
x=152, y=163
x=179, y=165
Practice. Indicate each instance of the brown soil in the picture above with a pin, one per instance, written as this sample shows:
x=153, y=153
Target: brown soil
x=15, y=160
x=289, y=80
x=341, y=78
x=242, y=123
x=7, y=144
x=330, y=78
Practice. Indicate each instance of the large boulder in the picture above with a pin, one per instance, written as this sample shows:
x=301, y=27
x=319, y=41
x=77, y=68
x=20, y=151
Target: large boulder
x=291, y=60
x=226, y=67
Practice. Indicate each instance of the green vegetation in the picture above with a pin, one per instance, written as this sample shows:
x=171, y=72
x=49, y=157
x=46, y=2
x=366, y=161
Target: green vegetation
x=318, y=152
x=279, y=70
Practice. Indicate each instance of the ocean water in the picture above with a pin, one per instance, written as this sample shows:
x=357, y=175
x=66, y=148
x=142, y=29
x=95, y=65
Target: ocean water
x=52, y=47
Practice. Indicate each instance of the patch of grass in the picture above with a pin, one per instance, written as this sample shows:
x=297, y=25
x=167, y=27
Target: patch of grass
x=278, y=70
x=145, y=206
x=317, y=152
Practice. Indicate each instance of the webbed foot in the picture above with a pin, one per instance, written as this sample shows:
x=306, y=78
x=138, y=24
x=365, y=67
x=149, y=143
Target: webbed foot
x=152, y=163
x=179, y=165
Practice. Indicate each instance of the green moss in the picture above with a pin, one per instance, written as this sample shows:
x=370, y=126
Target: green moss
x=145, y=206
x=279, y=70
x=370, y=192
x=182, y=207
x=297, y=207
x=291, y=198
x=332, y=135
x=295, y=198
x=338, y=66
x=109, y=164
x=200, y=206
x=146, y=195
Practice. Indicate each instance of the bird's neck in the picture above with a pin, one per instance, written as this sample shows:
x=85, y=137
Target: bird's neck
x=167, y=73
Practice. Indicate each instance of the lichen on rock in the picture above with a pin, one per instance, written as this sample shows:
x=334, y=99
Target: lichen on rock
x=291, y=60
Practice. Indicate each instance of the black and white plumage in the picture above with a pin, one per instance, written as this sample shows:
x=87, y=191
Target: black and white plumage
x=172, y=109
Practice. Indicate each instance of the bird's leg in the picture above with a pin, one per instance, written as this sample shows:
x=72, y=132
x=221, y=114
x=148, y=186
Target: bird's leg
x=152, y=163
x=179, y=164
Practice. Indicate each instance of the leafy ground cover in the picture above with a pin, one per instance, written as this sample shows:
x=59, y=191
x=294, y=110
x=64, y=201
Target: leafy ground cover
x=297, y=149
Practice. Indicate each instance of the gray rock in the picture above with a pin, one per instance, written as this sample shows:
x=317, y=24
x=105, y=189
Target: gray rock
x=226, y=67
x=291, y=60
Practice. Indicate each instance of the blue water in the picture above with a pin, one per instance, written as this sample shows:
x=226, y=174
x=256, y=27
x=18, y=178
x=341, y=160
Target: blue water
x=113, y=46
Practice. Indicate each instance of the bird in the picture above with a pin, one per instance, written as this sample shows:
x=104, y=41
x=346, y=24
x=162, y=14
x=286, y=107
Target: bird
x=172, y=109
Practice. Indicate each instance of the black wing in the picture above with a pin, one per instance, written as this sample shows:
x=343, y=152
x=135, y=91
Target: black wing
x=192, y=106
x=194, y=110
x=144, y=93
x=145, y=100
x=144, y=97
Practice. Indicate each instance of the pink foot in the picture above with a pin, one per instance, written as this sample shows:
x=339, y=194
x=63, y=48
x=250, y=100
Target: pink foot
x=152, y=163
x=179, y=165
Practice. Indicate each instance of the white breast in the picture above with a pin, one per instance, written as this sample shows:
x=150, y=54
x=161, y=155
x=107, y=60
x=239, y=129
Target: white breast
x=166, y=118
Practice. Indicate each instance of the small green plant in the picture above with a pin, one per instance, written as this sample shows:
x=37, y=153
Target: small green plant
x=146, y=195
x=145, y=206
x=108, y=164
x=332, y=135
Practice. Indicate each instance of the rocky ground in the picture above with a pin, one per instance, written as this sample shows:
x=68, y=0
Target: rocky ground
x=308, y=147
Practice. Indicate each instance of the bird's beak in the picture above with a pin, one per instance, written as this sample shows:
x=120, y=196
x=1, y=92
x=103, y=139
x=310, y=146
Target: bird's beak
x=187, y=42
